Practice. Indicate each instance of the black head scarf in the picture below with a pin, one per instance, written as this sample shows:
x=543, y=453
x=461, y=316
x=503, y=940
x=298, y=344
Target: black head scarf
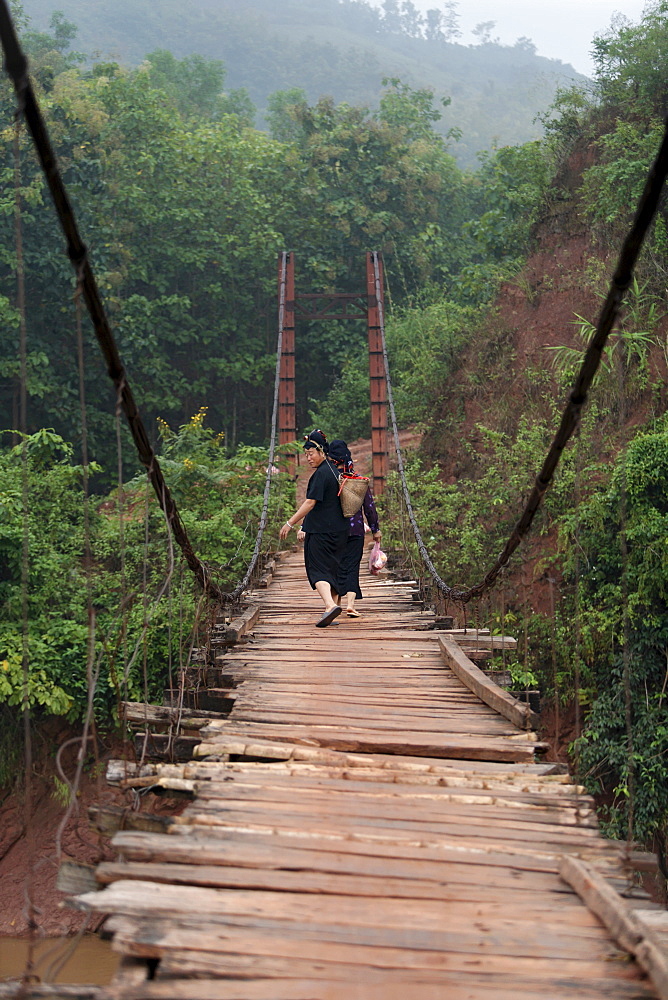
x=316, y=439
x=340, y=453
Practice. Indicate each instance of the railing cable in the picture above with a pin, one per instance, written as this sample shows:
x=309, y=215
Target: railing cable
x=621, y=279
x=443, y=587
x=239, y=589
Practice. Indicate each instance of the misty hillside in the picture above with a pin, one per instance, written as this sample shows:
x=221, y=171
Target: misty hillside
x=340, y=48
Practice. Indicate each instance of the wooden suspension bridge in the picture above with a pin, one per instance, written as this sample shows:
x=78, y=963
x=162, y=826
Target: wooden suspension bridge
x=371, y=819
x=370, y=815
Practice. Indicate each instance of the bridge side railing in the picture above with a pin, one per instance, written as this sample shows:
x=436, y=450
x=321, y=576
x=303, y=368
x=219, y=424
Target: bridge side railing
x=620, y=282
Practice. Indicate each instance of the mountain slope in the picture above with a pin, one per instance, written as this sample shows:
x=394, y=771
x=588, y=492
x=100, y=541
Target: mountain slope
x=339, y=49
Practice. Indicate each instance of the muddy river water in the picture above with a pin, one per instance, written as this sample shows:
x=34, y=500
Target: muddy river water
x=60, y=960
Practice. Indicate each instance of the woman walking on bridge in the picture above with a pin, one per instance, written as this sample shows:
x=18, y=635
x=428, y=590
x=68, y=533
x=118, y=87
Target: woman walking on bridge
x=324, y=524
x=349, y=574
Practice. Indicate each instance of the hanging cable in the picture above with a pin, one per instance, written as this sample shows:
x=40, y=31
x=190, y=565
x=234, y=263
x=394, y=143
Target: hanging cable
x=239, y=589
x=16, y=65
x=92, y=668
x=30, y=907
x=621, y=279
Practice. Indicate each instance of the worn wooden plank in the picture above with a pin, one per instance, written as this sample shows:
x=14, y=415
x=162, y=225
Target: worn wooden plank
x=455, y=986
x=370, y=719
x=484, y=687
x=524, y=814
x=479, y=898
x=498, y=865
x=632, y=934
x=108, y=820
x=356, y=740
x=342, y=920
x=333, y=847
x=188, y=720
x=510, y=781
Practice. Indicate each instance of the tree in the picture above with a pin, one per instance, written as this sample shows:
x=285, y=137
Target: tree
x=433, y=30
x=411, y=19
x=443, y=25
x=483, y=32
x=614, y=589
x=48, y=53
x=195, y=85
x=632, y=60
x=392, y=16
x=284, y=108
x=64, y=31
x=451, y=28
x=525, y=44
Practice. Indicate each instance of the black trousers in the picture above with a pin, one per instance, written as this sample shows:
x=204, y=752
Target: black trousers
x=349, y=574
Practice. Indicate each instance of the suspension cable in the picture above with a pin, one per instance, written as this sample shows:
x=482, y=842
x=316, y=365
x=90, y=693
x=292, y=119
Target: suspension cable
x=239, y=589
x=30, y=909
x=621, y=279
x=16, y=65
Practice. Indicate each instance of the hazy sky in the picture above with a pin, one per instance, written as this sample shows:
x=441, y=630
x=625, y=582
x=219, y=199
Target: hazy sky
x=560, y=29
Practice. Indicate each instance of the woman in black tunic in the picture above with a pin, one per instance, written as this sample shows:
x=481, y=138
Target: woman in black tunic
x=324, y=524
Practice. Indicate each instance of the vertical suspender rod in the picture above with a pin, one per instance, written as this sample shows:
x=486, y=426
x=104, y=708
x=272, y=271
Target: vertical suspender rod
x=377, y=380
x=287, y=423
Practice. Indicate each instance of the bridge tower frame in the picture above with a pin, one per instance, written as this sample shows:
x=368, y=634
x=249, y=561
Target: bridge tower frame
x=367, y=306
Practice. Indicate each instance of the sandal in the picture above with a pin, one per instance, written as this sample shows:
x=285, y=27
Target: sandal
x=328, y=617
x=352, y=613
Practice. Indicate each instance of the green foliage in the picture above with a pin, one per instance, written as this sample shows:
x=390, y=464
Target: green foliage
x=632, y=61
x=513, y=183
x=424, y=347
x=567, y=121
x=62, y=792
x=48, y=51
x=284, y=109
x=410, y=110
x=146, y=608
x=613, y=185
x=346, y=410
x=521, y=678
x=183, y=237
x=614, y=592
x=40, y=690
x=626, y=124
x=465, y=522
x=624, y=370
x=195, y=85
x=184, y=209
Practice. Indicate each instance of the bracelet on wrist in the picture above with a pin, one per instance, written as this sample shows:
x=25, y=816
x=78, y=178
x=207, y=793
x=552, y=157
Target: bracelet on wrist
x=289, y=525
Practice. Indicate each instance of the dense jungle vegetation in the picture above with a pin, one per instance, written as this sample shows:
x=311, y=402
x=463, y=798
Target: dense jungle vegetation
x=341, y=48
x=185, y=206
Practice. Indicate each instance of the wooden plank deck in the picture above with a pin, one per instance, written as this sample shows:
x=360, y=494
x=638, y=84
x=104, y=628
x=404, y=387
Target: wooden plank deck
x=362, y=827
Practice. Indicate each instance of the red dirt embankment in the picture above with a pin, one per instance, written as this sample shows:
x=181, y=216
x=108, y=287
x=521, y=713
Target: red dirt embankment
x=29, y=857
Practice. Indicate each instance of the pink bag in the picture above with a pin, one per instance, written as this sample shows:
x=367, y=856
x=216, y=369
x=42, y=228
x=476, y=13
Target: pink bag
x=377, y=559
